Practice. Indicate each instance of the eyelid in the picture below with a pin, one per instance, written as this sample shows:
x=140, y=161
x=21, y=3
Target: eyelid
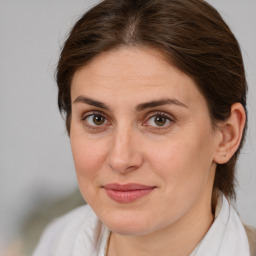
x=95, y=112
x=160, y=113
x=109, y=121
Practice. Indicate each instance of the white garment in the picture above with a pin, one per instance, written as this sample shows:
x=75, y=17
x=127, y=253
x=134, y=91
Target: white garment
x=80, y=233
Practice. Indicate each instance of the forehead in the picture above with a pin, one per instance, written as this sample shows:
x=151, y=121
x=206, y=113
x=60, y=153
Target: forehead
x=133, y=72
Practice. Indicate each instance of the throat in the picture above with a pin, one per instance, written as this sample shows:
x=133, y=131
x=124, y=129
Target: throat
x=168, y=242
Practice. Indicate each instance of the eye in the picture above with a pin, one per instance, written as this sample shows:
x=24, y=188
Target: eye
x=159, y=120
x=95, y=120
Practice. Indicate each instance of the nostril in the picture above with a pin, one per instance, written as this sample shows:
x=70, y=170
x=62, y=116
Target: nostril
x=124, y=164
x=120, y=165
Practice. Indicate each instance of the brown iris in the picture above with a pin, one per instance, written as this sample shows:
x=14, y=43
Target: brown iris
x=160, y=120
x=98, y=119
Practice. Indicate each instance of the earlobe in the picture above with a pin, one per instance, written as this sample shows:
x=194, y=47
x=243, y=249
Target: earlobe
x=231, y=132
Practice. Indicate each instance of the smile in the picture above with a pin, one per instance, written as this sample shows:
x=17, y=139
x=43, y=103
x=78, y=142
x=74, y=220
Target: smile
x=128, y=192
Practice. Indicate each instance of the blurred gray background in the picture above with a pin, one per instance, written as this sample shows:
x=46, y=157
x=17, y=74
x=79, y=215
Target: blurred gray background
x=35, y=158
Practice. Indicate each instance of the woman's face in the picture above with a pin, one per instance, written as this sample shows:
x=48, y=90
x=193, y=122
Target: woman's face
x=142, y=141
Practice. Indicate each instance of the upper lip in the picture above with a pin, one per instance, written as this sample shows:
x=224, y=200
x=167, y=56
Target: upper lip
x=127, y=187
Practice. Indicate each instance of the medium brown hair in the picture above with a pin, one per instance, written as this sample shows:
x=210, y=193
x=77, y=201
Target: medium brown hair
x=190, y=33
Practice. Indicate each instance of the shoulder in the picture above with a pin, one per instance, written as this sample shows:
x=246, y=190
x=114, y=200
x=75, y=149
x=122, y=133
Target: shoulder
x=63, y=232
x=251, y=234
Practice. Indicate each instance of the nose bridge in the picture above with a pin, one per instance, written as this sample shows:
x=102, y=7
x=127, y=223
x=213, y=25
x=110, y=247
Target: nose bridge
x=124, y=154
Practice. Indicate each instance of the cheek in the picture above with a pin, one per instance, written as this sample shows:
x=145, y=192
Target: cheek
x=84, y=156
x=183, y=161
x=89, y=157
x=184, y=165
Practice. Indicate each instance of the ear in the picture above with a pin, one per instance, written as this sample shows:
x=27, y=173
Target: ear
x=230, y=132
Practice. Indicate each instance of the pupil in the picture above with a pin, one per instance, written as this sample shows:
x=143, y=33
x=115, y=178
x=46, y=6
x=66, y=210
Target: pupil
x=98, y=120
x=160, y=120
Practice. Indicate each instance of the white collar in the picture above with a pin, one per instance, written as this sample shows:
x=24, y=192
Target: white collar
x=226, y=236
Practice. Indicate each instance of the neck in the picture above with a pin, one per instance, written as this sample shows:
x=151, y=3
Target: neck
x=178, y=239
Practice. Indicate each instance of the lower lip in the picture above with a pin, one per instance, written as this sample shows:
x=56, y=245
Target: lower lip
x=127, y=196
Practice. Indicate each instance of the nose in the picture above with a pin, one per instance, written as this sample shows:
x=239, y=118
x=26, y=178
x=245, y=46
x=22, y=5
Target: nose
x=125, y=154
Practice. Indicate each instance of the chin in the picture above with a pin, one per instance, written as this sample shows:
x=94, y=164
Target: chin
x=131, y=230
x=128, y=225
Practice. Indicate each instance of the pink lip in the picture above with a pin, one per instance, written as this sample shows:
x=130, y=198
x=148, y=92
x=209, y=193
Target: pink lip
x=128, y=192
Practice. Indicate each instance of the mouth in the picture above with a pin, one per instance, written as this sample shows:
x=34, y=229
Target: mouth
x=127, y=193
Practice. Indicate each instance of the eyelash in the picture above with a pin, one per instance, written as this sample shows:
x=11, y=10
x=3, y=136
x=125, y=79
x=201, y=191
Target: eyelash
x=91, y=114
x=164, y=115
x=168, y=118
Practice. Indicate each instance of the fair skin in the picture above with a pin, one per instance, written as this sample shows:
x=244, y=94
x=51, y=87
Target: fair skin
x=137, y=119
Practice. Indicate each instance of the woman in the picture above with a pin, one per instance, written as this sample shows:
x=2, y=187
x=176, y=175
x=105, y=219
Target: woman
x=154, y=94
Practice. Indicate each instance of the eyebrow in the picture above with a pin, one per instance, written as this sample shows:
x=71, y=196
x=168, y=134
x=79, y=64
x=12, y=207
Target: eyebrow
x=140, y=107
x=161, y=102
x=95, y=103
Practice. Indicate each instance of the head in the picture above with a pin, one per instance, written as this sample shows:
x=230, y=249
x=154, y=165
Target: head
x=190, y=35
